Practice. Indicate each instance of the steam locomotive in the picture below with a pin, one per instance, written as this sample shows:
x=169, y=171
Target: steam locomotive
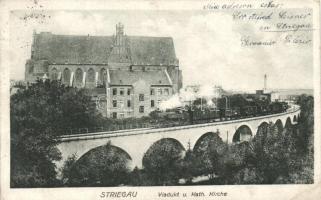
x=196, y=114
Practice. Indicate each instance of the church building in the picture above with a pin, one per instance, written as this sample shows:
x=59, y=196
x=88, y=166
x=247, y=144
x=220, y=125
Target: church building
x=127, y=76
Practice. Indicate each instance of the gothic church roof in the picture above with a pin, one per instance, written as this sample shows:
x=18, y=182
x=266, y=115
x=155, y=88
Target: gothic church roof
x=61, y=49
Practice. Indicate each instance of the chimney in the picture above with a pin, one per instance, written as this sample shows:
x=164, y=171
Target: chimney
x=265, y=82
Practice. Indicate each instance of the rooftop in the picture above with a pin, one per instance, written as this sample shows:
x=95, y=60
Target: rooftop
x=122, y=77
x=85, y=49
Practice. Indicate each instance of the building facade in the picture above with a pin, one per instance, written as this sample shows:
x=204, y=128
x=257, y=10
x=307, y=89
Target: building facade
x=127, y=76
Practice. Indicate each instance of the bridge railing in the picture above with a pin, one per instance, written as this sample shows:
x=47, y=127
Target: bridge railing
x=112, y=127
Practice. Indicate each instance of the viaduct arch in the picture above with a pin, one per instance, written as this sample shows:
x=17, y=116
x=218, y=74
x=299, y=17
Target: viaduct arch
x=136, y=142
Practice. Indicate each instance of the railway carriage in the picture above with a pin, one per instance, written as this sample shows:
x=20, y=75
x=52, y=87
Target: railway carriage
x=205, y=114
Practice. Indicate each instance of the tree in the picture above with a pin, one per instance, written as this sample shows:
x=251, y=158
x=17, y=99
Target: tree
x=66, y=169
x=247, y=175
x=140, y=177
x=301, y=167
x=268, y=158
x=272, y=153
x=106, y=165
x=236, y=165
x=210, y=149
x=300, y=163
x=306, y=123
x=191, y=166
x=38, y=115
x=163, y=161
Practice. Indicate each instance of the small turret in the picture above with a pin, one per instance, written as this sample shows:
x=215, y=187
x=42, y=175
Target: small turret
x=120, y=49
x=119, y=29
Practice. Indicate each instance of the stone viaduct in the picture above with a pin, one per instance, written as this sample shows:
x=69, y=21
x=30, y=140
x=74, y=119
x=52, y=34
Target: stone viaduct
x=136, y=142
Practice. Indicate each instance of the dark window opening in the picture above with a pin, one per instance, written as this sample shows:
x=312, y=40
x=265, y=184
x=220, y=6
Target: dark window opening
x=166, y=91
x=141, y=97
x=152, y=91
x=128, y=103
x=141, y=109
x=114, y=91
x=128, y=92
x=152, y=103
x=114, y=103
x=121, y=91
x=114, y=115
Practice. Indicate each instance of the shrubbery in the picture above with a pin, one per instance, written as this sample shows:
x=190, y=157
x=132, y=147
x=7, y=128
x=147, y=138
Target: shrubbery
x=103, y=166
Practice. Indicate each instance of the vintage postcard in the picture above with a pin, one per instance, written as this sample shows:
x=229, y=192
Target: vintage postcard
x=160, y=99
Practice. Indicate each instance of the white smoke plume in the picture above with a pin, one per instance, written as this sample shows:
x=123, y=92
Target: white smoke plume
x=178, y=100
x=172, y=102
x=208, y=92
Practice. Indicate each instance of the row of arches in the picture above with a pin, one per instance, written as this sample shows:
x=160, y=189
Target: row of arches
x=78, y=77
x=243, y=133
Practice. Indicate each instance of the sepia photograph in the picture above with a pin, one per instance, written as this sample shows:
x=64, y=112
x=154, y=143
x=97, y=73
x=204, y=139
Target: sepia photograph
x=223, y=94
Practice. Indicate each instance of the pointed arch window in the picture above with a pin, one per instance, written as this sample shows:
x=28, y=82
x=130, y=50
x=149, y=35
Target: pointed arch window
x=91, y=75
x=103, y=76
x=66, y=76
x=54, y=74
x=78, y=76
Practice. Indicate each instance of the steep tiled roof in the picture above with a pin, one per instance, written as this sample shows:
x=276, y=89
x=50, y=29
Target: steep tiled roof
x=72, y=49
x=152, y=50
x=122, y=77
x=62, y=49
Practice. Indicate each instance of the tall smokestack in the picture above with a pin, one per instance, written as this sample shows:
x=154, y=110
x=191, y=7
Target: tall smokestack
x=265, y=82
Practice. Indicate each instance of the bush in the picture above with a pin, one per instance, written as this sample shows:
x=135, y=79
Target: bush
x=162, y=162
x=103, y=166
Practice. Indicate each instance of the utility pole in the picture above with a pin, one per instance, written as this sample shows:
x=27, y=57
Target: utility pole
x=189, y=145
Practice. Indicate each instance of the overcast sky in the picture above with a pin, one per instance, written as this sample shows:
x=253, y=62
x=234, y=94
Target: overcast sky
x=207, y=45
